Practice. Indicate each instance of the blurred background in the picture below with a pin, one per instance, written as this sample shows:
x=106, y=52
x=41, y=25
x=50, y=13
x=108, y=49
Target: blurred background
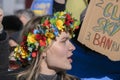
x=10, y=6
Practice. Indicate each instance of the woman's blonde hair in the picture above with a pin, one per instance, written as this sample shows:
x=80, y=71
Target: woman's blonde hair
x=32, y=72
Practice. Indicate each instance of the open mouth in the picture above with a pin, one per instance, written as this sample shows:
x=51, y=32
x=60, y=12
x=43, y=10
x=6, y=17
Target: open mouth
x=70, y=59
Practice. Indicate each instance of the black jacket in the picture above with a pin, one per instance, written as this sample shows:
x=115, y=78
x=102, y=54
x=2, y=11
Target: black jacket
x=10, y=75
x=6, y=75
x=4, y=52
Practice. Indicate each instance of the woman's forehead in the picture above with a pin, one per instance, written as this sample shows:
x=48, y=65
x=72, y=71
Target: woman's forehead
x=64, y=35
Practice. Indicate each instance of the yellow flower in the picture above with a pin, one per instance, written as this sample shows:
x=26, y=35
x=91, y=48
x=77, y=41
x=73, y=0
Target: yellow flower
x=31, y=38
x=24, y=56
x=17, y=55
x=23, y=53
x=59, y=24
x=61, y=13
x=16, y=49
x=49, y=40
x=50, y=35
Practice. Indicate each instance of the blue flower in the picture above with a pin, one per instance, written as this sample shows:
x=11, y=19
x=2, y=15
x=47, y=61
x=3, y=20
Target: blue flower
x=36, y=31
x=56, y=31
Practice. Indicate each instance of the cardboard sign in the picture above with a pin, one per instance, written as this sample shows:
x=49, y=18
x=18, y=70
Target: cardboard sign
x=100, y=30
x=42, y=7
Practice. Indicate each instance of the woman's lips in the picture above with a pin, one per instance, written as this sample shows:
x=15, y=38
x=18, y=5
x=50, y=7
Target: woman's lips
x=70, y=60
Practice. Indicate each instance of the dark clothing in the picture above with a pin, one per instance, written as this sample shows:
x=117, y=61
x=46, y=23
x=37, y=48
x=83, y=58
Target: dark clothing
x=47, y=77
x=58, y=7
x=10, y=75
x=3, y=36
x=52, y=77
x=6, y=75
x=15, y=36
x=4, y=52
x=4, y=60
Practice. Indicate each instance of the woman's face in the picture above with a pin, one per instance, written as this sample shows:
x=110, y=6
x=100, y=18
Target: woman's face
x=58, y=56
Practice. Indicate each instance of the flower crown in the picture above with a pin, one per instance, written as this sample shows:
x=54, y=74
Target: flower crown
x=40, y=37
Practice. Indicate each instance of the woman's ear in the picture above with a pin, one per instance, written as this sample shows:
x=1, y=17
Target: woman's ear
x=43, y=55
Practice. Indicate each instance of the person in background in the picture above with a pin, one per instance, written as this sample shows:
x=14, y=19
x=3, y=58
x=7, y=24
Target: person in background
x=59, y=5
x=4, y=55
x=46, y=49
x=4, y=47
x=24, y=15
x=76, y=7
x=13, y=26
x=4, y=50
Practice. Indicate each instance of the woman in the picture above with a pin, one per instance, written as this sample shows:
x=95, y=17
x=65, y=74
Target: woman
x=46, y=48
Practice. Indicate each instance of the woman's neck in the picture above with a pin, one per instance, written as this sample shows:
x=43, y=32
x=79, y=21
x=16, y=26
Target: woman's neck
x=46, y=70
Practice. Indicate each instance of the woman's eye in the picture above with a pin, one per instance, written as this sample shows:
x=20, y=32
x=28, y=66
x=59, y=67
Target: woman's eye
x=65, y=40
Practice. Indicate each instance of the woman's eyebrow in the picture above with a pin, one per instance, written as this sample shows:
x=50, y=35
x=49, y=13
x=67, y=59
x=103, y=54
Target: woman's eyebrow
x=65, y=38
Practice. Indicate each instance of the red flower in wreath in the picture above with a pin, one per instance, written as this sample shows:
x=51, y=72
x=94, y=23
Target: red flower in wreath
x=38, y=36
x=46, y=23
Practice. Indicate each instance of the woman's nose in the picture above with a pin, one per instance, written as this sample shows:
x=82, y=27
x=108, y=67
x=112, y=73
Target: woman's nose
x=71, y=46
